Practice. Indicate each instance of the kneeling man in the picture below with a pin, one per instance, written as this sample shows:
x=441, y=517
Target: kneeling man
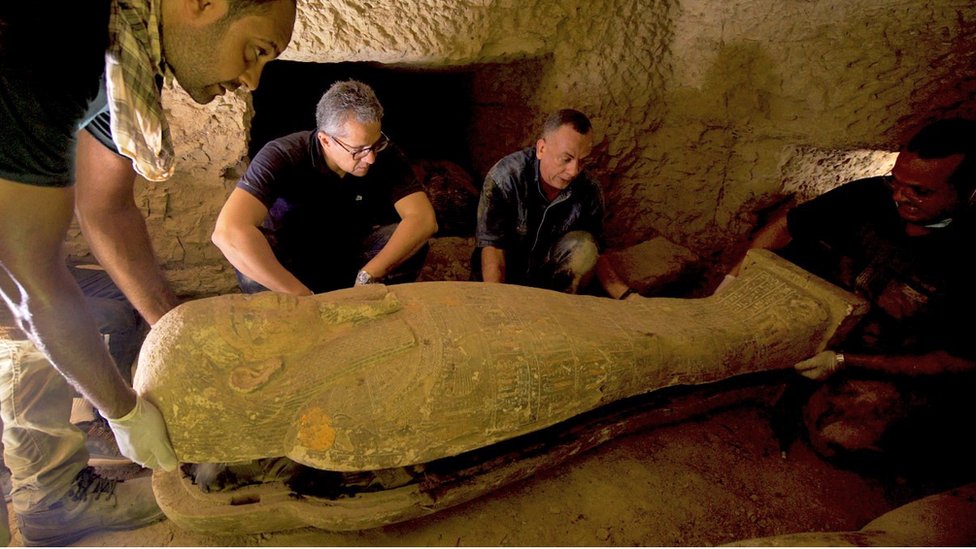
x=540, y=217
x=297, y=224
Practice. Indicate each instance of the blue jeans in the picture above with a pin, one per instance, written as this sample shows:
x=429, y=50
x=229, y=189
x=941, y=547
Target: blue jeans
x=408, y=271
x=42, y=449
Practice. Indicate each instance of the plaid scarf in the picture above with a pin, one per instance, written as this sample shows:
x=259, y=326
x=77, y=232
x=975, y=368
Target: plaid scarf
x=134, y=70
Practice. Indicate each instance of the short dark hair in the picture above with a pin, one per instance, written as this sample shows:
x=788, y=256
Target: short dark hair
x=949, y=137
x=577, y=120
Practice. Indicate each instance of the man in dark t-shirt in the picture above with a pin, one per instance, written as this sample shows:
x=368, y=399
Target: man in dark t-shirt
x=329, y=208
x=906, y=371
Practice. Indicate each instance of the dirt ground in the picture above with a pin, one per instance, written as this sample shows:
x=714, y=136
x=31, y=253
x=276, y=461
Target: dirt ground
x=711, y=480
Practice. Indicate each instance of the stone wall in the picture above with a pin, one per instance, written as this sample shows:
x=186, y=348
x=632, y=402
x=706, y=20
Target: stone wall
x=702, y=107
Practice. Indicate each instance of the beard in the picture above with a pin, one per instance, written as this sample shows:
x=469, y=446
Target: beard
x=192, y=55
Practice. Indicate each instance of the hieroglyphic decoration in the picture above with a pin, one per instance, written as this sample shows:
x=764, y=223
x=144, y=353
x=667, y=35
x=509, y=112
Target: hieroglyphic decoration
x=378, y=377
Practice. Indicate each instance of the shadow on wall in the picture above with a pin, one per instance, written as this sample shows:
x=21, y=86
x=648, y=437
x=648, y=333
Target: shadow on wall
x=748, y=142
x=833, y=77
x=706, y=159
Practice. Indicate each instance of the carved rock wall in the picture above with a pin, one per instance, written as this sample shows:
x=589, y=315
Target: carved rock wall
x=702, y=107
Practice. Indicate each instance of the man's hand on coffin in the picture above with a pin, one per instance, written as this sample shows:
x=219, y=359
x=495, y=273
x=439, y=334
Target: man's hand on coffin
x=820, y=366
x=142, y=437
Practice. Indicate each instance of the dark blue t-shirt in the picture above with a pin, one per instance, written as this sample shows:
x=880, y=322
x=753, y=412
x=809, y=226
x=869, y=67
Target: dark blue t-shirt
x=51, y=63
x=317, y=220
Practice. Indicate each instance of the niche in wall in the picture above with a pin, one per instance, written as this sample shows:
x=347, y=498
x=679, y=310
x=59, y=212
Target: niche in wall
x=471, y=115
x=426, y=114
x=453, y=122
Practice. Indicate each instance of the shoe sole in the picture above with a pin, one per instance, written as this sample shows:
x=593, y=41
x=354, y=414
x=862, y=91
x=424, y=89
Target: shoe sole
x=75, y=536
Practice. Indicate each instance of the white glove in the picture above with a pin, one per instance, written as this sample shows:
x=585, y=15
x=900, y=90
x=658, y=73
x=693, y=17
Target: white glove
x=142, y=437
x=820, y=366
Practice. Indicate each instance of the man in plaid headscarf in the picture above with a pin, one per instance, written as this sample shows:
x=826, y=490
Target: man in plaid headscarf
x=60, y=65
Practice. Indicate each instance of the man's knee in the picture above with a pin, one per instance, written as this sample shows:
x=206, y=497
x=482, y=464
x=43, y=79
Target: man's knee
x=113, y=316
x=576, y=251
x=377, y=240
x=573, y=261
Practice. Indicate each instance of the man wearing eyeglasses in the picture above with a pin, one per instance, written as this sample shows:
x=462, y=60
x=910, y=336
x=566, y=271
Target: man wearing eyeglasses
x=907, y=371
x=330, y=208
x=540, y=217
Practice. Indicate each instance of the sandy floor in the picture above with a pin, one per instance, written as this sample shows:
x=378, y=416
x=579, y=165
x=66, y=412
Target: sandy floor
x=713, y=480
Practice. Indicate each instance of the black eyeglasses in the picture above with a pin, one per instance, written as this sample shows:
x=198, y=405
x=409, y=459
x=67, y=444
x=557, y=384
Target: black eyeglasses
x=358, y=154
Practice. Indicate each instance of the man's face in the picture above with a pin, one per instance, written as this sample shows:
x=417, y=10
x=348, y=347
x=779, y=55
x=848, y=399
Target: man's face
x=211, y=53
x=561, y=155
x=341, y=148
x=921, y=190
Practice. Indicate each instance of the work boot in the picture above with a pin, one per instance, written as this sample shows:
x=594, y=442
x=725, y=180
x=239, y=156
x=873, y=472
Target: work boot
x=93, y=503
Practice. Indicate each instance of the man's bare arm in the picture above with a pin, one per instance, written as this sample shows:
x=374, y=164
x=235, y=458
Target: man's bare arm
x=492, y=264
x=245, y=247
x=417, y=224
x=933, y=363
x=116, y=230
x=44, y=298
x=773, y=236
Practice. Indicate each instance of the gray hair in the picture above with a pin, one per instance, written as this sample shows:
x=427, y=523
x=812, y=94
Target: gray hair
x=345, y=100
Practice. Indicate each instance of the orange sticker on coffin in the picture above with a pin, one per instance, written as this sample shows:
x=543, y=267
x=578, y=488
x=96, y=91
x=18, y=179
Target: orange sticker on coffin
x=315, y=431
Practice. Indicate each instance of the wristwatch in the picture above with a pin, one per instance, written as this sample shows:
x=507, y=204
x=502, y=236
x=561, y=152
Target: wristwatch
x=363, y=278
